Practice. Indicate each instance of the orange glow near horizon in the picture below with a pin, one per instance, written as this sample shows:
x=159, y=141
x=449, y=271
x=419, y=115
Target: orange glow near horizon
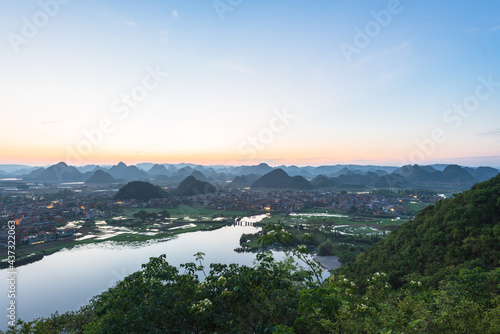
x=39, y=156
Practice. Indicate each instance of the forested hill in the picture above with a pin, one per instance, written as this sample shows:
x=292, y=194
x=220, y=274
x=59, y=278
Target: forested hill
x=191, y=186
x=278, y=178
x=456, y=233
x=143, y=191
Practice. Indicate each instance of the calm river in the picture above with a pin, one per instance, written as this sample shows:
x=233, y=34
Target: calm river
x=67, y=280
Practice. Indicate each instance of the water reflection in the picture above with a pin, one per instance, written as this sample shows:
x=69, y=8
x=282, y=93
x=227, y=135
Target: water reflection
x=68, y=279
x=249, y=221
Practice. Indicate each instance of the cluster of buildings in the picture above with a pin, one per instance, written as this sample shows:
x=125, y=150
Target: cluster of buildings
x=279, y=201
x=36, y=233
x=32, y=236
x=39, y=219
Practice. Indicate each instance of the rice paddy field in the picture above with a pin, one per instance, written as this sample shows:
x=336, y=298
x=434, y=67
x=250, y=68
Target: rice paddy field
x=127, y=227
x=343, y=224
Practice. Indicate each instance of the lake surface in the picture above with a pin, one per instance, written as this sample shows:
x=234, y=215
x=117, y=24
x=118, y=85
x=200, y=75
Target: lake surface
x=67, y=280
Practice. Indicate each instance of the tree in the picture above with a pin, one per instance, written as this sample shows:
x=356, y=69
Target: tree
x=164, y=214
x=278, y=297
x=142, y=215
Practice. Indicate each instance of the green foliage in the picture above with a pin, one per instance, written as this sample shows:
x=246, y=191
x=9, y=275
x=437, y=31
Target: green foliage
x=453, y=234
x=325, y=248
x=296, y=247
x=164, y=214
x=69, y=322
x=318, y=234
x=279, y=297
x=143, y=215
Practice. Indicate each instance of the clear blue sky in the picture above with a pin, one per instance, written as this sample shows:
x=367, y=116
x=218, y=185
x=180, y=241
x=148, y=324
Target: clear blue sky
x=283, y=82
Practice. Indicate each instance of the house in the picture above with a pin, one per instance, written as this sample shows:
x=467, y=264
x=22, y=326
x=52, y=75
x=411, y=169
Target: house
x=38, y=238
x=65, y=233
x=50, y=236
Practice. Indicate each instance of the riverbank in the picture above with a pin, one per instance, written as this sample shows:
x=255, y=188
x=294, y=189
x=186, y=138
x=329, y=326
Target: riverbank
x=127, y=225
x=26, y=254
x=344, y=236
x=325, y=233
x=70, y=278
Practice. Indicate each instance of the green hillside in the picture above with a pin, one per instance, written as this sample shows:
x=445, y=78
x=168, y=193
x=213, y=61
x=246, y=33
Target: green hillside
x=140, y=190
x=453, y=234
x=191, y=186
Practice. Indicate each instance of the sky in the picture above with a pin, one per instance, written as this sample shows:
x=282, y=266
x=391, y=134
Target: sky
x=242, y=82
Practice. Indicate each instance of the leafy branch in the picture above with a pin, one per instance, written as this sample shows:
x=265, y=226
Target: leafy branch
x=277, y=234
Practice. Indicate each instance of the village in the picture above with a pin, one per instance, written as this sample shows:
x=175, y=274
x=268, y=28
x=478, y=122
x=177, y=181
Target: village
x=41, y=219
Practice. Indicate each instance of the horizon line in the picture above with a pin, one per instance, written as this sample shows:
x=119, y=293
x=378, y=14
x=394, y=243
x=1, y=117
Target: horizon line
x=270, y=164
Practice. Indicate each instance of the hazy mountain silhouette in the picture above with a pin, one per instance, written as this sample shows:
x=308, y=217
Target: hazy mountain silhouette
x=457, y=174
x=437, y=175
x=260, y=169
x=482, y=173
x=122, y=171
x=322, y=181
x=100, y=177
x=158, y=170
x=190, y=186
x=278, y=178
x=245, y=179
x=60, y=172
x=199, y=176
x=392, y=180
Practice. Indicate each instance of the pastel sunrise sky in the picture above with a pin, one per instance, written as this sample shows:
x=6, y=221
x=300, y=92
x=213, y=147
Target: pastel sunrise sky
x=242, y=82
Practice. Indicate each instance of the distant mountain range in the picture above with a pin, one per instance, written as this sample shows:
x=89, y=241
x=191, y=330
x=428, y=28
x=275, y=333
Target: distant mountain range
x=413, y=176
x=100, y=177
x=278, y=178
x=259, y=176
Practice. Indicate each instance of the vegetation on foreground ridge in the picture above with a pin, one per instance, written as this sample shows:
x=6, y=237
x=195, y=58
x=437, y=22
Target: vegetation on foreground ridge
x=278, y=297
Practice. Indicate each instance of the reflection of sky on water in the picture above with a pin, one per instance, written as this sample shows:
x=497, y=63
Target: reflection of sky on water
x=253, y=219
x=68, y=279
x=318, y=214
